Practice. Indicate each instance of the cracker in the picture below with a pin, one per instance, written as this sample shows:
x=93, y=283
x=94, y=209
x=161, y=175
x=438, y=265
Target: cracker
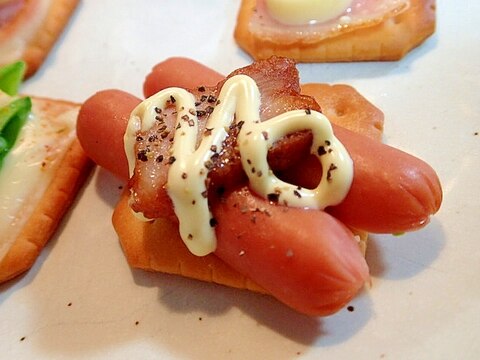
x=56, y=200
x=146, y=247
x=388, y=41
x=33, y=45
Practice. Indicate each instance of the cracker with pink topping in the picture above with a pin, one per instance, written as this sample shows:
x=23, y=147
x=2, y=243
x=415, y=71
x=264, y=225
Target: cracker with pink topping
x=389, y=39
x=30, y=28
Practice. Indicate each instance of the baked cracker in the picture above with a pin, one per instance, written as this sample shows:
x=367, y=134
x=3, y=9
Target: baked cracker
x=146, y=247
x=388, y=41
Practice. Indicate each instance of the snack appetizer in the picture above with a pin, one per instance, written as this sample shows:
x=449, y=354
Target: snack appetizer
x=333, y=30
x=30, y=28
x=246, y=183
x=42, y=166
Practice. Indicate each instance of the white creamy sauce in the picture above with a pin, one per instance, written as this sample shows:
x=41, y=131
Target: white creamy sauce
x=29, y=168
x=240, y=98
x=13, y=46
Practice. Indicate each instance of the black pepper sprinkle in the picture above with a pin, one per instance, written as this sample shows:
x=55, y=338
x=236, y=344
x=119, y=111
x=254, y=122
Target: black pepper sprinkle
x=218, y=102
x=197, y=103
x=191, y=123
x=259, y=173
x=297, y=194
x=308, y=111
x=192, y=111
x=321, y=150
x=265, y=135
x=184, y=175
x=137, y=322
x=185, y=118
x=164, y=134
x=201, y=88
x=172, y=99
x=211, y=99
x=213, y=148
x=159, y=158
x=158, y=110
x=240, y=124
x=142, y=155
x=201, y=113
x=249, y=162
x=152, y=138
x=190, y=236
x=329, y=172
x=22, y=338
x=327, y=142
x=178, y=126
x=253, y=170
x=139, y=138
x=350, y=308
x=273, y=197
x=203, y=98
x=208, y=164
x=171, y=160
x=159, y=119
x=213, y=222
x=194, y=202
x=209, y=109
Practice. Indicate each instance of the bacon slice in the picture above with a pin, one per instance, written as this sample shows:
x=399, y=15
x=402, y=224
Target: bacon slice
x=278, y=82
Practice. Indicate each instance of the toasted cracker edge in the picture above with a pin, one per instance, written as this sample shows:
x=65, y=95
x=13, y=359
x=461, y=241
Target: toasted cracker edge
x=388, y=41
x=48, y=213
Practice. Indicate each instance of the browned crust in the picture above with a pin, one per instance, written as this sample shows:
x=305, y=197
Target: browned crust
x=49, y=212
x=147, y=245
x=344, y=106
x=387, y=41
x=45, y=37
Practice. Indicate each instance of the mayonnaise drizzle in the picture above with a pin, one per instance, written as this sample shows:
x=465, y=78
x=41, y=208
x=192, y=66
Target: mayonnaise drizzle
x=239, y=98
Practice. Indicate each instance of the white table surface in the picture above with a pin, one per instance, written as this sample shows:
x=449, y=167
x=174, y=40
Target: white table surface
x=82, y=301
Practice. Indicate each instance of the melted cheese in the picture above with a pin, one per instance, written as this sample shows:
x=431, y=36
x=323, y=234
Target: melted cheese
x=240, y=98
x=297, y=12
x=277, y=26
x=29, y=168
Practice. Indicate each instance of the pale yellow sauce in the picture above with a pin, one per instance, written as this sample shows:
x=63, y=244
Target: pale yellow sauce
x=240, y=98
x=300, y=12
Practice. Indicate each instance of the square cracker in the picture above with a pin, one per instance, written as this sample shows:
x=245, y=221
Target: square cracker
x=31, y=33
x=389, y=40
x=147, y=247
x=42, y=220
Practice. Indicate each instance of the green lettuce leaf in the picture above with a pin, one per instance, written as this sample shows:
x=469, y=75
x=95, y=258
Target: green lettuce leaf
x=11, y=77
x=12, y=118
